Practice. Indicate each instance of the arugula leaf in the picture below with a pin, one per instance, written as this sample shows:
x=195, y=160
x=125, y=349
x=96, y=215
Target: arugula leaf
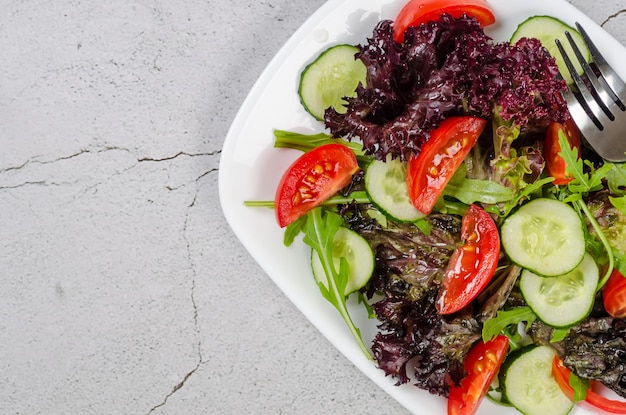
x=580, y=386
x=504, y=319
x=526, y=193
x=574, y=164
x=424, y=226
x=620, y=260
x=470, y=191
x=583, y=183
x=358, y=196
x=598, y=175
x=319, y=233
x=307, y=142
x=293, y=229
x=300, y=141
x=616, y=179
x=378, y=216
x=362, y=299
x=559, y=334
x=619, y=203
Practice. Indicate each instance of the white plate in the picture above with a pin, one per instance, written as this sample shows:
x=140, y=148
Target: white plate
x=250, y=167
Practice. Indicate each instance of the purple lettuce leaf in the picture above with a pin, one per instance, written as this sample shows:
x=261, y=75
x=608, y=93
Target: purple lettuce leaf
x=445, y=68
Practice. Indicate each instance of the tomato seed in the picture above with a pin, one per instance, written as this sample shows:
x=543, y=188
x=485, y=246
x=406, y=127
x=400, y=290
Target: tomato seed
x=470, y=249
x=472, y=237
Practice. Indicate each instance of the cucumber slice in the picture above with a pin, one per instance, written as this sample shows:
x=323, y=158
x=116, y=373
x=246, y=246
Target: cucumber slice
x=564, y=300
x=385, y=184
x=545, y=236
x=335, y=74
x=357, y=252
x=547, y=29
x=528, y=384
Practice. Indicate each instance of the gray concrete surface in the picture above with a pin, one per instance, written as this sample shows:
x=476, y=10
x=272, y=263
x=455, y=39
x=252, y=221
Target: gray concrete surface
x=123, y=289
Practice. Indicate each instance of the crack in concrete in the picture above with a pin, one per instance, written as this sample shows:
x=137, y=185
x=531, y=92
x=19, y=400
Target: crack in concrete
x=206, y=173
x=35, y=159
x=44, y=183
x=194, y=274
x=179, y=154
x=17, y=186
x=194, y=304
x=175, y=389
x=612, y=16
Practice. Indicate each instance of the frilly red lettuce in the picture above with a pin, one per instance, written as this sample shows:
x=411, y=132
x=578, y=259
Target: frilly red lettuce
x=444, y=68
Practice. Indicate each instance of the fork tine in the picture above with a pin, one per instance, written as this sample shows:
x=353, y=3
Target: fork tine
x=611, y=77
x=582, y=94
x=599, y=140
x=578, y=113
x=601, y=92
x=592, y=103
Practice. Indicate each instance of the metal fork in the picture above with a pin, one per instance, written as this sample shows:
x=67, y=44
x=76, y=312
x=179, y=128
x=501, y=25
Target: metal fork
x=596, y=100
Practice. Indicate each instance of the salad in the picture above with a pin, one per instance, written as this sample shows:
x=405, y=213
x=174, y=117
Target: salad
x=453, y=196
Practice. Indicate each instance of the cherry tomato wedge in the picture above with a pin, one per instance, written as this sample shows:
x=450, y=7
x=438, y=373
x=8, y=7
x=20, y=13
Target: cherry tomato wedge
x=416, y=12
x=561, y=375
x=472, y=265
x=555, y=165
x=311, y=179
x=481, y=364
x=448, y=145
x=614, y=295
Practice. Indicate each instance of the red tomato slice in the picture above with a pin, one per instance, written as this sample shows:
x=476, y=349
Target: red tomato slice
x=416, y=12
x=439, y=158
x=561, y=375
x=311, y=179
x=471, y=266
x=555, y=165
x=481, y=364
x=614, y=295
